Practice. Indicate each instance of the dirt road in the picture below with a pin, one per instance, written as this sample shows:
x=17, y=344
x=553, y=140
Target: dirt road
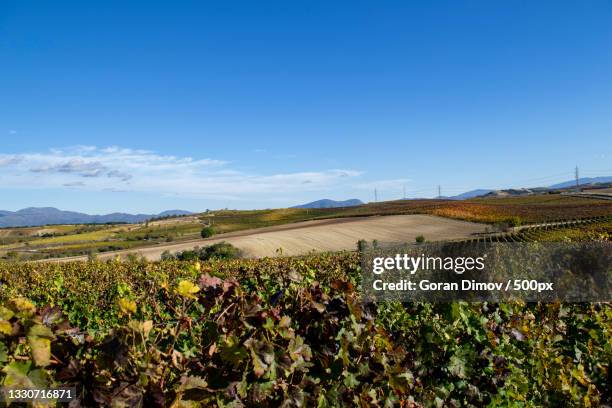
x=323, y=235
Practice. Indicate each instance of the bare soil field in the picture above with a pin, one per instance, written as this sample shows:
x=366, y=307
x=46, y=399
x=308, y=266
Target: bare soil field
x=321, y=235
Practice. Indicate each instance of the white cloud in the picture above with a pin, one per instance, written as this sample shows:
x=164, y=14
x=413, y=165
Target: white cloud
x=121, y=169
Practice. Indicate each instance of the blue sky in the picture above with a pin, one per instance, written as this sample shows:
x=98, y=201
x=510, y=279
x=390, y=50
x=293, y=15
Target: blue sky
x=146, y=106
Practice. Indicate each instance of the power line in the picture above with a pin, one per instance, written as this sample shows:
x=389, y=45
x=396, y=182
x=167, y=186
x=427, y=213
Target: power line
x=520, y=183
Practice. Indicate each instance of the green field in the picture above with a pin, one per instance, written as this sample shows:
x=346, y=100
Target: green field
x=68, y=240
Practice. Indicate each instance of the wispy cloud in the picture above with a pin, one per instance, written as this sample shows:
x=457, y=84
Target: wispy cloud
x=7, y=160
x=122, y=169
x=74, y=184
x=119, y=174
x=78, y=166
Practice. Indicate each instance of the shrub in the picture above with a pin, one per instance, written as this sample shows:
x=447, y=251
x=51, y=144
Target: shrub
x=166, y=255
x=420, y=239
x=207, y=232
x=508, y=223
x=362, y=245
x=188, y=255
x=12, y=255
x=221, y=250
x=134, y=257
x=514, y=221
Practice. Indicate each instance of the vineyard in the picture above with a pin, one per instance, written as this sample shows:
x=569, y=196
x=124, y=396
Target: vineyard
x=306, y=204
x=581, y=229
x=74, y=240
x=528, y=209
x=286, y=332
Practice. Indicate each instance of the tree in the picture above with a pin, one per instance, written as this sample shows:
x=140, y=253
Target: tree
x=207, y=232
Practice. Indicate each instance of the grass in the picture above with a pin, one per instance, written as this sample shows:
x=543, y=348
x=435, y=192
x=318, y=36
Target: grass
x=72, y=238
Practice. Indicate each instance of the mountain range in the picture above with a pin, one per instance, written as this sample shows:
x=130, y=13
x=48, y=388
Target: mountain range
x=469, y=194
x=521, y=191
x=581, y=181
x=326, y=203
x=37, y=216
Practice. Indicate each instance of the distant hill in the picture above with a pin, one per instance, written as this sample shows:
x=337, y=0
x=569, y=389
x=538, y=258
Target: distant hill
x=37, y=216
x=170, y=213
x=526, y=191
x=325, y=203
x=470, y=194
x=511, y=192
x=584, y=180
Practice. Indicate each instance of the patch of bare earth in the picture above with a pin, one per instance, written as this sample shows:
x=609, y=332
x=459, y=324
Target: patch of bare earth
x=325, y=235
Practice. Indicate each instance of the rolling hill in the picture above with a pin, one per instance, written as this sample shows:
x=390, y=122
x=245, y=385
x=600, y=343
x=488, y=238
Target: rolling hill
x=469, y=194
x=326, y=203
